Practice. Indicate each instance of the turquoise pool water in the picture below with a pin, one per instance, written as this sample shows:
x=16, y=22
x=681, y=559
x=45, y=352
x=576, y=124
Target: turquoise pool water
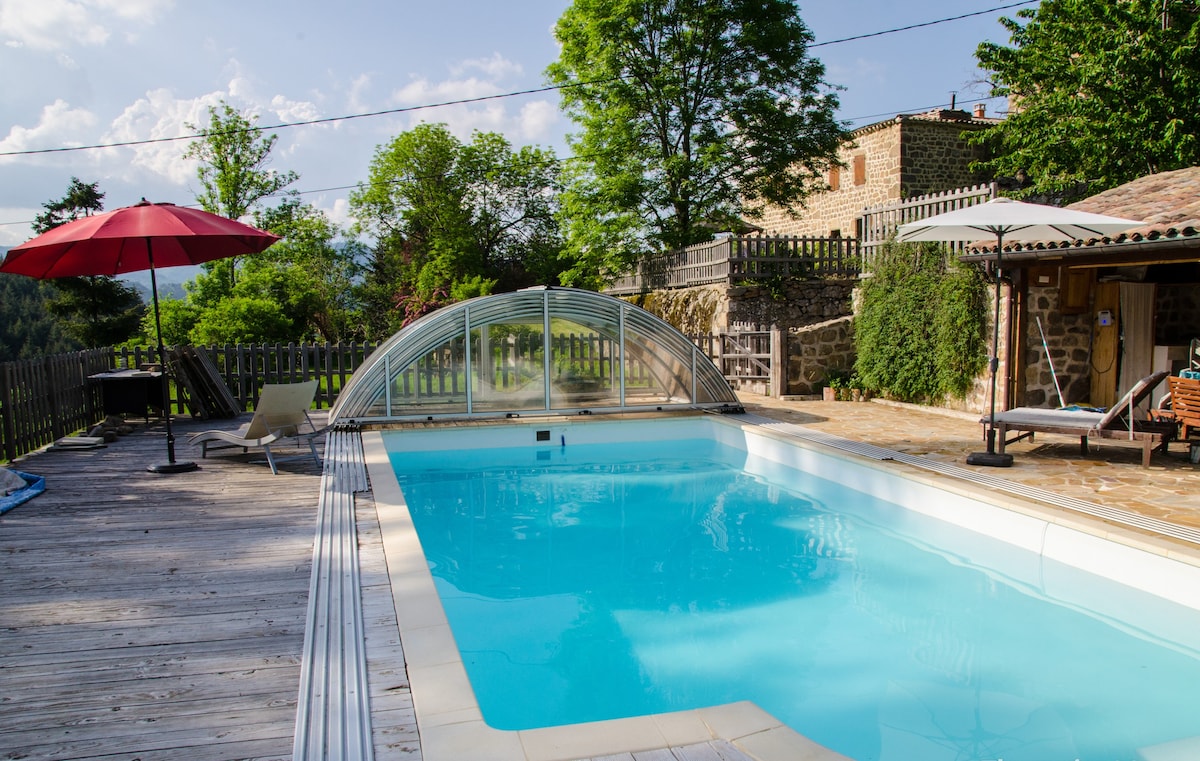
x=591, y=582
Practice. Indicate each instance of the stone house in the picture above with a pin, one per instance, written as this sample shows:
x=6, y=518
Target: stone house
x=1112, y=310
x=902, y=157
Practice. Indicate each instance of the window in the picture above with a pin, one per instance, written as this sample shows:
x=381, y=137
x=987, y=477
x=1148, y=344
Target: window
x=835, y=177
x=860, y=169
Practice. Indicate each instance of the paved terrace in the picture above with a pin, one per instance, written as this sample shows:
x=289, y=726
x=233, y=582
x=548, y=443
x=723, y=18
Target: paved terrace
x=162, y=617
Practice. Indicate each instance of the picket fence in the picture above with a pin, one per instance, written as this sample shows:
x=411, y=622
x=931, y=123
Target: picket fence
x=42, y=400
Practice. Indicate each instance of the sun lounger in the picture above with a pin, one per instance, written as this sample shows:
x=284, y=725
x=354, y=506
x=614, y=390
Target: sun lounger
x=281, y=413
x=1121, y=421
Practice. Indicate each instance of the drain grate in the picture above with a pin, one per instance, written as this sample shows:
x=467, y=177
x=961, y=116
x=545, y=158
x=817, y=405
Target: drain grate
x=1116, y=515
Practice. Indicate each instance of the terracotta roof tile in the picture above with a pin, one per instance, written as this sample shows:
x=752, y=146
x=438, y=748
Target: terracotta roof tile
x=1168, y=202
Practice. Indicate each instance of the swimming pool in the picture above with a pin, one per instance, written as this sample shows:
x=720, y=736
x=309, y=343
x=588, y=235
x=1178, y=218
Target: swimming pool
x=837, y=612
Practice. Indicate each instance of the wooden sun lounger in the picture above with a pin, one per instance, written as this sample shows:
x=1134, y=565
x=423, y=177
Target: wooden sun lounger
x=1121, y=421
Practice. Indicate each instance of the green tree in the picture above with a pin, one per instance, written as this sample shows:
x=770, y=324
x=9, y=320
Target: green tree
x=451, y=220
x=95, y=310
x=26, y=328
x=1103, y=92
x=920, y=331
x=311, y=272
x=692, y=113
x=234, y=175
x=298, y=290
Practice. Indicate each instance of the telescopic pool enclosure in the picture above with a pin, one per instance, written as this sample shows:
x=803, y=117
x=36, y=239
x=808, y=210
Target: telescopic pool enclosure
x=543, y=350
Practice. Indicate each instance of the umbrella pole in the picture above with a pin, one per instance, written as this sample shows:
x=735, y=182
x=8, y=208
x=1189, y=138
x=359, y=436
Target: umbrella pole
x=170, y=466
x=992, y=458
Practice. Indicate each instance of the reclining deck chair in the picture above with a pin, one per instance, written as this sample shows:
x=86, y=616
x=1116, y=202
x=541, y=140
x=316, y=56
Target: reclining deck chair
x=1119, y=422
x=281, y=413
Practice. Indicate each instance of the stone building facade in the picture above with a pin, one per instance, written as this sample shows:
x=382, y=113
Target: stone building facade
x=909, y=155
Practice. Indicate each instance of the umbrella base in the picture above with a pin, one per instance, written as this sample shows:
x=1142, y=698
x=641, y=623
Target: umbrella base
x=172, y=467
x=990, y=459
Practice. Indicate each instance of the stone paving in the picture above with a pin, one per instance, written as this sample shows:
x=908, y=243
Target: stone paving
x=1110, y=474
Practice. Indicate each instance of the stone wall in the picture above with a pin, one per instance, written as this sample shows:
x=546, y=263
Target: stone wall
x=839, y=209
x=716, y=308
x=695, y=311
x=790, y=304
x=815, y=350
x=934, y=157
x=1069, y=338
x=903, y=157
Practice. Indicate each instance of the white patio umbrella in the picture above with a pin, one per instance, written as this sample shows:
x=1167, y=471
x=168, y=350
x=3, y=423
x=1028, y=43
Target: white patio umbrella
x=1011, y=220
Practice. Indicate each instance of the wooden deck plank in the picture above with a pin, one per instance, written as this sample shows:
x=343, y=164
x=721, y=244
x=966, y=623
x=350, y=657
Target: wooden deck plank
x=151, y=616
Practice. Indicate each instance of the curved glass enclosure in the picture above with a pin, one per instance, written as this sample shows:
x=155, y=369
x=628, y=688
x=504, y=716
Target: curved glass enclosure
x=540, y=350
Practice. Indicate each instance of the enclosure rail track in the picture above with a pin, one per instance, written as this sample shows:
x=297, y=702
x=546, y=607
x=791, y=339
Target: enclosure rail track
x=333, y=718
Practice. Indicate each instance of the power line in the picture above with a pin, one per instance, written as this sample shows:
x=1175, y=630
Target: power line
x=565, y=159
x=468, y=101
x=924, y=24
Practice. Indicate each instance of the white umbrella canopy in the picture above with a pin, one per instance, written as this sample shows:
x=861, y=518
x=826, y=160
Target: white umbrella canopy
x=1014, y=220
x=1007, y=219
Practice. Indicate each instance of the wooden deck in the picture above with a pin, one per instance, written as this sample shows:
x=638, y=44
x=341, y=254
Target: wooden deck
x=162, y=617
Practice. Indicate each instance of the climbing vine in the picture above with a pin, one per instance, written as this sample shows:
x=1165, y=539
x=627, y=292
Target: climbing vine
x=920, y=333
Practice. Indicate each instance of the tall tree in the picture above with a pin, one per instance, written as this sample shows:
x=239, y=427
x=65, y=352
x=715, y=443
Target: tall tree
x=234, y=176
x=691, y=114
x=96, y=311
x=1102, y=92
x=451, y=220
x=299, y=290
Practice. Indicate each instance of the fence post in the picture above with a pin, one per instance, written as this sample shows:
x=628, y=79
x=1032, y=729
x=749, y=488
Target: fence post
x=779, y=359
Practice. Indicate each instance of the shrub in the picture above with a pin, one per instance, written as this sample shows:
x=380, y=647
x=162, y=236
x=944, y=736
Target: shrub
x=920, y=333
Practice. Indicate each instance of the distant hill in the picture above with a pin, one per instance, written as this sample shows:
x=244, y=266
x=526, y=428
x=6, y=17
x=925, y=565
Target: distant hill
x=165, y=290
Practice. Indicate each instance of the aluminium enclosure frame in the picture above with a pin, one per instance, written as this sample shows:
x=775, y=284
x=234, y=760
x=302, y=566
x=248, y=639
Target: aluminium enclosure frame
x=686, y=377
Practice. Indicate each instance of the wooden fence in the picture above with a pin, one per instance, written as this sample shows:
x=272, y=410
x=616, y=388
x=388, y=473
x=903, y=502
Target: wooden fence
x=878, y=223
x=737, y=259
x=42, y=400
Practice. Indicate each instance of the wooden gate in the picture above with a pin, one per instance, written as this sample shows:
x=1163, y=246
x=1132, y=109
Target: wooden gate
x=752, y=360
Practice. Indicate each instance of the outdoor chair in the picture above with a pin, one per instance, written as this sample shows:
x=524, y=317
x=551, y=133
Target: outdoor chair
x=281, y=413
x=1121, y=421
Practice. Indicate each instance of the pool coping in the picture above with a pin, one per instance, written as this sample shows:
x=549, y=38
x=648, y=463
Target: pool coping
x=450, y=723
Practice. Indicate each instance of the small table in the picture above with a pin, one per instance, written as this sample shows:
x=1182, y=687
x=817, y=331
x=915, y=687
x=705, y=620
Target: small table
x=132, y=392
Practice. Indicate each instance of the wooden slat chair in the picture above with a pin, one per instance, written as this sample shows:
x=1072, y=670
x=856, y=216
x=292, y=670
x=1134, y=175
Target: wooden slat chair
x=1185, y=404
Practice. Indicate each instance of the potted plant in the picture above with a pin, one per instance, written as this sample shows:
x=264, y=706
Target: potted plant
x=838, y=386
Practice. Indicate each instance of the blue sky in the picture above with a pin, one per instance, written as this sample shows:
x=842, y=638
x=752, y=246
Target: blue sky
x=88, y=72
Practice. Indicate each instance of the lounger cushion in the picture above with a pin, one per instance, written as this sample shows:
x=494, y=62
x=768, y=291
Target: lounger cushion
x=1040, y=416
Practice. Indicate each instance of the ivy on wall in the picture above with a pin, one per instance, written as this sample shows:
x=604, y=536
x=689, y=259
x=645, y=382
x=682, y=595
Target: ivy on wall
x=921, y=330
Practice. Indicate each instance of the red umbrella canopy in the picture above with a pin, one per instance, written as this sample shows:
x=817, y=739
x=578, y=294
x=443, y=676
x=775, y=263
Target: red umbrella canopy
x=132, y=239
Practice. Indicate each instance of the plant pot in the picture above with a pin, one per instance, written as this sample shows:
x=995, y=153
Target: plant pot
x=829, y=394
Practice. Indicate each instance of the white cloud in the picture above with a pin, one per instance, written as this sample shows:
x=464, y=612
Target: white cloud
x=537, y=120
x=288, y=110
x=58, y=24
x=156, y=116
x=496, y=67
x=358, y=88
x=58, y=125
x=16, y=233
x=421, y=91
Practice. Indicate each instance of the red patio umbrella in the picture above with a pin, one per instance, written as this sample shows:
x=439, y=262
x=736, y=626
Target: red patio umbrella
x=132, y=239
